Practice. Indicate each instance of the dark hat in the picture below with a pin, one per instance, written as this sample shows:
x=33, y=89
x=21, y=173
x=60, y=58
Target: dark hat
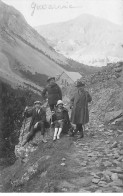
x=37, y=102
x=79, y=84
x=50, y=78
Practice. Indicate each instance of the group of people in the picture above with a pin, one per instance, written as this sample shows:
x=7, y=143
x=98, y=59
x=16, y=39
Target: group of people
x=60, y=117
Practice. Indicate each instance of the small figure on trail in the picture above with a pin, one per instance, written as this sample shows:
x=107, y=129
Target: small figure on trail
x=53, y=91
x=60, y=119
x=38, y=122
x=79, y=106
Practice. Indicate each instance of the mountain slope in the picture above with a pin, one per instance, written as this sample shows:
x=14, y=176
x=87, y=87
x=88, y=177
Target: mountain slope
x=87, y=39
x=23, y=49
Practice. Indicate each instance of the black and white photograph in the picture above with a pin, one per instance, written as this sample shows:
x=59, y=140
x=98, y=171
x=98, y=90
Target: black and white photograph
x=61, y=96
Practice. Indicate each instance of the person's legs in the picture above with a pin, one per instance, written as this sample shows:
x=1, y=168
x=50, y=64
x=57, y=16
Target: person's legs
x=41, y=127
x=29, y=136
x=75, y=130
x=80, y=128
x=55, y=133
x=60, y=130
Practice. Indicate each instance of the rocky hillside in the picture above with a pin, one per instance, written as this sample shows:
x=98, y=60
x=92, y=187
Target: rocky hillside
x=12, y=104
x=106, y=89
x=92, y=164
x=86, y=39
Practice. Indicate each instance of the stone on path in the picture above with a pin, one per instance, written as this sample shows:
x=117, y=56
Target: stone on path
x=114, y=145
x=63, y=164
x=107, y=142
x=98, y=191
x=120, y=158
x=106, y=177
x=43, y=174
x=112, y=115
x=121, y=152
x=116, y=183
x=120, y=176
x=114, y=176
x=63, y=159
x=83, y=164
x=102, y=183
x=95, y=180
x=118, y=189
x=117, y=170
x=102, y=125
x=107, y=163
x=116, y=162
x=83, y=191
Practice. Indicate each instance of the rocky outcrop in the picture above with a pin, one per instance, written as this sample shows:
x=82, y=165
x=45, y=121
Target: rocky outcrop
x=111, y=116
x=23, y=152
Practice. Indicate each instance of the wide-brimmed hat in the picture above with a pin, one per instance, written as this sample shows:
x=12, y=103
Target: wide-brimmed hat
x=50, y=78
x=80, y=84
x=59, y=102
x=37, y=102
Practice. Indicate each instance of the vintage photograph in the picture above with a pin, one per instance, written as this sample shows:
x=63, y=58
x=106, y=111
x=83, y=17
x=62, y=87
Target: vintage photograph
x=61, y=96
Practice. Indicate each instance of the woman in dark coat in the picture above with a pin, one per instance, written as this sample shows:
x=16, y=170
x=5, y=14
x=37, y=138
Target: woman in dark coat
x=53, y=91
x=79, y=105
x=60, y=119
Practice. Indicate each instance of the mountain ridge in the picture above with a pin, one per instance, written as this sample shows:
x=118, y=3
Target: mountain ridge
x=86, y=38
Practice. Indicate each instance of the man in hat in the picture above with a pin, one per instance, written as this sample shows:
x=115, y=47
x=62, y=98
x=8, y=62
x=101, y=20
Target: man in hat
x=37, y=122
x=53, y=91
x=79, y=105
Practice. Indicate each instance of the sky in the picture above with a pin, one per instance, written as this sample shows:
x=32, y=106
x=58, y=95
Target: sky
x=40, y=12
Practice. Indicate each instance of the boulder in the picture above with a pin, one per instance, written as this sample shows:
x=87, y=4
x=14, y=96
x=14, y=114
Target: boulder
x=118, y=69
x=110, y=116
x=95, y=180
x=114, y=145
x=121, y=152
x=114, y=176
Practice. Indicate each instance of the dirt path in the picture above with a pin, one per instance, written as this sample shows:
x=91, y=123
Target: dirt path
x=98, y=166
x=91, y=164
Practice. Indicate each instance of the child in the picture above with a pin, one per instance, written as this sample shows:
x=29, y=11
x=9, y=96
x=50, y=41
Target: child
x=60, y=118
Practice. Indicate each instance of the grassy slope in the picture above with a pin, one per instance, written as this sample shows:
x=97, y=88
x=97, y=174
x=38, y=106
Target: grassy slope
x=55, y=172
